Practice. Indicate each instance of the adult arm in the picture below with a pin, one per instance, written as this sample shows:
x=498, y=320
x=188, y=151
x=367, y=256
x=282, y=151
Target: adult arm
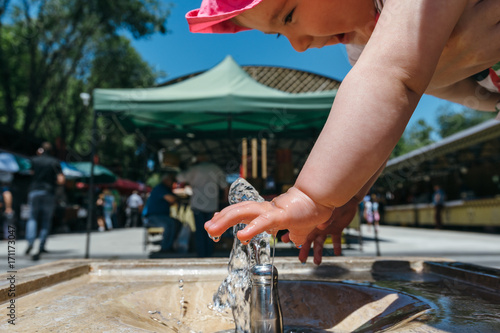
x=469, y=93
x=170, y=198
x=473, y=47
x=61, y=179
x=7, y=199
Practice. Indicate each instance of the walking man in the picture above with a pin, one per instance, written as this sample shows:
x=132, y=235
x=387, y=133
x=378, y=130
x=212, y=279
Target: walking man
x=207, y=180
x=47, y=174
x=438, y=201
x=134, y=206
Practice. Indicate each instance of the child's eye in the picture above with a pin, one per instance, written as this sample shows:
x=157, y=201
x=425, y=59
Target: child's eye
x=289, y=17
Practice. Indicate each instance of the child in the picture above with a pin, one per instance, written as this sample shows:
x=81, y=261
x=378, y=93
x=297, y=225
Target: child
x=408, y=48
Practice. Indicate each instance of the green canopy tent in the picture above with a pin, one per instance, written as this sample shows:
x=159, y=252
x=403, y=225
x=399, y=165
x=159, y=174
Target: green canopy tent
x=209, y=111
x=223, y=102
x=219, y=105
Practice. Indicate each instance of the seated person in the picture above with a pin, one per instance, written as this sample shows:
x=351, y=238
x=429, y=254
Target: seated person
x=158, y=211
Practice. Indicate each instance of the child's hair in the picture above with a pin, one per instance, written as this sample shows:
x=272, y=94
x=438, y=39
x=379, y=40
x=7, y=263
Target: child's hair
x=214, y=16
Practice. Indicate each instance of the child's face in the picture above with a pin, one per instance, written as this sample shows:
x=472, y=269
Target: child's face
x=313, y=23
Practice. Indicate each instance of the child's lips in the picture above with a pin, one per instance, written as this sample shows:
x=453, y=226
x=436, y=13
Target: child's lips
x=335, y=39
x=332, y=40
x=342, y=38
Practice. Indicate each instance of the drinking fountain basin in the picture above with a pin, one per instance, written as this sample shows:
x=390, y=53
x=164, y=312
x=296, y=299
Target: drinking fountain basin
x=174, y=295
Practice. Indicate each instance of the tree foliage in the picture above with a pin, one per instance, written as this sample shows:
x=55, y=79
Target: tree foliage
x=451, y=122
x=52, y=50
x=417, y=136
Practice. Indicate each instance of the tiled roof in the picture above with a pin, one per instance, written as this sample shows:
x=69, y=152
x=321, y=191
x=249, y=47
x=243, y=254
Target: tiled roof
x=281, y=78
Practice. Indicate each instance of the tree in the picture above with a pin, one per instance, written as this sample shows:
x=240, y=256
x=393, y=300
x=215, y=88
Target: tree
x=417, y=136
x=47, y=47
x=52, y=50
x=451, y=122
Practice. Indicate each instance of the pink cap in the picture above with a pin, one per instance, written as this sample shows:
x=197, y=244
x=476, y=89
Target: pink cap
x=214, y=16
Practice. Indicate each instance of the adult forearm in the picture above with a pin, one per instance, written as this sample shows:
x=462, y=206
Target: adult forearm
x=7, y=199
x=468, y=93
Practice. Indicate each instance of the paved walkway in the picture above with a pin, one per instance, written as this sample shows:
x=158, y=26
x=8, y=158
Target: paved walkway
x=477, y=248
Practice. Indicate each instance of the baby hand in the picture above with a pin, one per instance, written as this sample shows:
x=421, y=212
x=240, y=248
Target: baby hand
x=293, y=210
x=340, y=219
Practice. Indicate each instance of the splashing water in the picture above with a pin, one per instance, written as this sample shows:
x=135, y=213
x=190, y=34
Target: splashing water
x=234, y=291
x=174, y=324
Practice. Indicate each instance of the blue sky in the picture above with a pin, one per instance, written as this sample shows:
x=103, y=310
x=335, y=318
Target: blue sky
x=180, y=52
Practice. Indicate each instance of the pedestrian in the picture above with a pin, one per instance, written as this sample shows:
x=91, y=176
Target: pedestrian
x=134, y=206
x=158, y=213
x=368, y=210
x=400, y=50
x=99, y=212
x=375, y=210
x=109, y=208
x=207, y=180
x=438, y=201
x=47, y=174
x=6, y=199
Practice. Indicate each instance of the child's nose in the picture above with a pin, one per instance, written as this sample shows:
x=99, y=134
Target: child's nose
x=300, y=43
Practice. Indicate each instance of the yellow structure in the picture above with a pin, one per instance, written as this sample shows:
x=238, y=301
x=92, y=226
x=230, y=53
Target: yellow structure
x=466, y=165
x=477, y=213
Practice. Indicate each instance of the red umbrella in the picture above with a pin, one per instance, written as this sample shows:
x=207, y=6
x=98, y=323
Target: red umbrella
x=128, y=186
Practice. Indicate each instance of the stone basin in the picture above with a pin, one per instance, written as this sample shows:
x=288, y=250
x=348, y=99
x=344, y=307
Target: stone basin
x=174, y=295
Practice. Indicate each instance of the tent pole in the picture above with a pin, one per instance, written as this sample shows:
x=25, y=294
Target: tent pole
x=90, y=210
x=254, y=158
x=263, y=149
x=244, y=153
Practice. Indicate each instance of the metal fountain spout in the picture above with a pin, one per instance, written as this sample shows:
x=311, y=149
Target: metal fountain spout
x=265, y=309
x=250, y=274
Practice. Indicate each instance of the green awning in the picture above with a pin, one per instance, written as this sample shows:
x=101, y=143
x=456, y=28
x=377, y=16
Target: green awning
x=223, y=102
x=102, y=175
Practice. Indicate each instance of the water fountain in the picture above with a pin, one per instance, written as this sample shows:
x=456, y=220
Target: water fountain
x=344, y=294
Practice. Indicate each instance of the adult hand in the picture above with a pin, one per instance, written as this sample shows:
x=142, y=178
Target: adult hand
x=293, y=210
x=472, y=46
x=339, y=220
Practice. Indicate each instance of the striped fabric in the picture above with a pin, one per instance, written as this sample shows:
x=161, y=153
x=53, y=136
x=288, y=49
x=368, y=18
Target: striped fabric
x=489, y=78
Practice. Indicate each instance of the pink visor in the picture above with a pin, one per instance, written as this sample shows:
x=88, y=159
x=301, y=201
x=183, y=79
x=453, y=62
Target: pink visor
x=214, y=16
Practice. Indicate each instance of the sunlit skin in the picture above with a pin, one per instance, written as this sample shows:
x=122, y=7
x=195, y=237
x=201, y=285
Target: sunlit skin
x=313, y=23
x=416, y=47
